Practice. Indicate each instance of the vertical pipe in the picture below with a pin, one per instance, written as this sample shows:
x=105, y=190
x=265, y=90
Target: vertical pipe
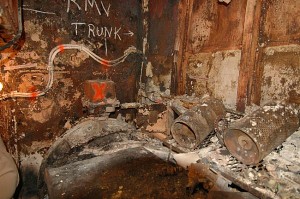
x=20, y=28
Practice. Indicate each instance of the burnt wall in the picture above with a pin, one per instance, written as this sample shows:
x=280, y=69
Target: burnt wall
x=247, y=48
x=213, y=49
x=8, y=21
x=215, y=26
x=107, y=28
x=278, y=58
x=30, y=125
x=161, y=21
x=243, y=52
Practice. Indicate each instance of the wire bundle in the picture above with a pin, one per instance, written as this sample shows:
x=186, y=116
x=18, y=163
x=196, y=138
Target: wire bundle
x=52, y=55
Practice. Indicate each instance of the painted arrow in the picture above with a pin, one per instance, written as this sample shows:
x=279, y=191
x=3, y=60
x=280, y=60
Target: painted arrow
x=130, y=33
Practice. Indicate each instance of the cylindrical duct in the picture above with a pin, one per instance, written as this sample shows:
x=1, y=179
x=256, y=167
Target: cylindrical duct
x=193, y=126
x=253, y=137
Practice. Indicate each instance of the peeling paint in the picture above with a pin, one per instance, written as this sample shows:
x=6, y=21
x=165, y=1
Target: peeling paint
x=200, y=31
x=149, y=69
x=214, y=74
x=35, y=31
x=281, y=73
x=198, y=69
x=43, y=111
x=226, y=71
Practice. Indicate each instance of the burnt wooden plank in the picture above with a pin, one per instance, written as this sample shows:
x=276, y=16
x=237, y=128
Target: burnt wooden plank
x=248, y=57
x=164, y=21
x=179, y=62
x=256, y=80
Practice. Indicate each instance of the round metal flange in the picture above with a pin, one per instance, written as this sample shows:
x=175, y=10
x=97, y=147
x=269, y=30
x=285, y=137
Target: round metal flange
x=241, y=146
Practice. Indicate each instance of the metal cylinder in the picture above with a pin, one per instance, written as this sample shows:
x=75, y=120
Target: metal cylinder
x=254, y=136
x=193, y=126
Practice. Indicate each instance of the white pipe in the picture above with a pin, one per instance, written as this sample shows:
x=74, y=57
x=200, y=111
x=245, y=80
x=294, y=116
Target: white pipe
x=52, y=55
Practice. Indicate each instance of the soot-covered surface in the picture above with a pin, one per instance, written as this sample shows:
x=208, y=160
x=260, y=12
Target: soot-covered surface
x=130, y=173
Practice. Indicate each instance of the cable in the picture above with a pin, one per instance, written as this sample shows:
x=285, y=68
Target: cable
x=52, y=55
x=20, y=31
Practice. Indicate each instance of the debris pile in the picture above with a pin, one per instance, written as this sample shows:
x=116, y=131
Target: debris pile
x=261, y=152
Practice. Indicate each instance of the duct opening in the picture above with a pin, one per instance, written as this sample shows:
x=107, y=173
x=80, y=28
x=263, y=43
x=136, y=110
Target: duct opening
x=244, y=146
x=184, y=135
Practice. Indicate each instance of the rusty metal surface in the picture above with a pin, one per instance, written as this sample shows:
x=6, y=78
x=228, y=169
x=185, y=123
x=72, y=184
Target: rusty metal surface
x=200, y=173
x=122, y=174
x=48, y=26
x=280, y=22
x=6, y=123
x=8, y=20
x=215, y=26
x=253, y=137
x=37, y=122
x=193, y=126
x=83, y=157
x=148, y=115
x=70, y=179
x=33, y=123
x=97, y=91
x=276, y=176
x=100, y=96
x=163, y=23
x=98, y=132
